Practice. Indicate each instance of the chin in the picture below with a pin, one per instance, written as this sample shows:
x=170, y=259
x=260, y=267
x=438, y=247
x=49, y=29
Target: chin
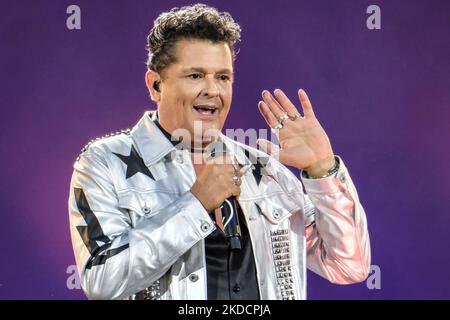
x=211, y=126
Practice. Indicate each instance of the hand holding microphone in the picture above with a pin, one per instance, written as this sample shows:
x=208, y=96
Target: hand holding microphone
x=220, y=188
x=218, y=180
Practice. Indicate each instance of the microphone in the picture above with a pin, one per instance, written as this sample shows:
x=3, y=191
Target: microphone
x=228, y=208
x=230, y=220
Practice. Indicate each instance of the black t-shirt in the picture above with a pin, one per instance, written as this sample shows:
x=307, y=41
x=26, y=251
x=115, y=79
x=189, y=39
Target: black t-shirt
x=231, y=274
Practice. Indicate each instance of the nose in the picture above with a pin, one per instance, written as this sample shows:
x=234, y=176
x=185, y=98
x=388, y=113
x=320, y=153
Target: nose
x=211, y=88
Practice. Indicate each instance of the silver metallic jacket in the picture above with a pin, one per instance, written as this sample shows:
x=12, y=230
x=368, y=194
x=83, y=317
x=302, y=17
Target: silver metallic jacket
x=138, y=232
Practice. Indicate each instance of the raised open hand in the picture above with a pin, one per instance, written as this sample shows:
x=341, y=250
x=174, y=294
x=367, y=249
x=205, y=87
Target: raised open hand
x=303, y=142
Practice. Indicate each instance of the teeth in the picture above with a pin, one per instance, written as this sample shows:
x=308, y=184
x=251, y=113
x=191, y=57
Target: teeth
x=205, y=109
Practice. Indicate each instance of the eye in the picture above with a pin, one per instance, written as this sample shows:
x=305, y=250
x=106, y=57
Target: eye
x=224, y=77
x=195, y=76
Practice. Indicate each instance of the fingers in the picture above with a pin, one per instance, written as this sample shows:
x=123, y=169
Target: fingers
x=287, y=105
x=220, y=159
x=229, y=161
x=225, y=165
x=273, y=104
x=233, y=180
x=272, y=108
x=270, y=118
x=306, y=104
x=236, y=191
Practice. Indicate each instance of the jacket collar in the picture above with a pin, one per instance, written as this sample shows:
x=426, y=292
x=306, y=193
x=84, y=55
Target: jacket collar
x=153, y=144
x=150, y=141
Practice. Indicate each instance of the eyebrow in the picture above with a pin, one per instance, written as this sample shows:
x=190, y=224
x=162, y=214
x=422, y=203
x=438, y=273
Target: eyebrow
x=202, y=70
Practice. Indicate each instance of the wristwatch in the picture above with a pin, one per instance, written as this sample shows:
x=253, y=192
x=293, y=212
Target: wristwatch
x=330, y=172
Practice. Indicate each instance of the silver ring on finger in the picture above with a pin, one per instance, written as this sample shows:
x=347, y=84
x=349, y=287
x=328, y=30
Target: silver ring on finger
x=235, y=168
x=283, y=118
x=236, y=180
x=294, y=117
x=278, y=126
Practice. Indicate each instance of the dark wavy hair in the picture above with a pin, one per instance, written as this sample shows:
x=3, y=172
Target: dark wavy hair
x=198, y=21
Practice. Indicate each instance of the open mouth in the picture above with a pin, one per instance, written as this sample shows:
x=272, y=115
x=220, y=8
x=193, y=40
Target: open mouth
x=208, y=110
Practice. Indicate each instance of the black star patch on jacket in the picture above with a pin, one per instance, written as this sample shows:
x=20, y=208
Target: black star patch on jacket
x=134, y=164
x=258, y=165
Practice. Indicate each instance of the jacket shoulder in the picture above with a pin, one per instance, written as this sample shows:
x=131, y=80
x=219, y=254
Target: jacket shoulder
x=112, y=141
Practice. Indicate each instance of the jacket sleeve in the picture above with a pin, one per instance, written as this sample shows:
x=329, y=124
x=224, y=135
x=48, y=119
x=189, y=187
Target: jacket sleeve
x=337, y=239
x=115, y=260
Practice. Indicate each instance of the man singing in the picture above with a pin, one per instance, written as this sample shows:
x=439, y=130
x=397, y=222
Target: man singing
x=157, y=212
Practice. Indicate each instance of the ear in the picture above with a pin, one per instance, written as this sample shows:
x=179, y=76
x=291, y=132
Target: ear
x=150, y=78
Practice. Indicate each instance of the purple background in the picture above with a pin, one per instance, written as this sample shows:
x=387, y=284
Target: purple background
x=382, y=96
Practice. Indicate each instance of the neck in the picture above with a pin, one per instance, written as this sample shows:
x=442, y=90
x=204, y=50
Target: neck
x=198, y=145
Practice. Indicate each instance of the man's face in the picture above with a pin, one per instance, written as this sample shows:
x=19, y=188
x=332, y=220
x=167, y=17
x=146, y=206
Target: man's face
x=197, y=88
